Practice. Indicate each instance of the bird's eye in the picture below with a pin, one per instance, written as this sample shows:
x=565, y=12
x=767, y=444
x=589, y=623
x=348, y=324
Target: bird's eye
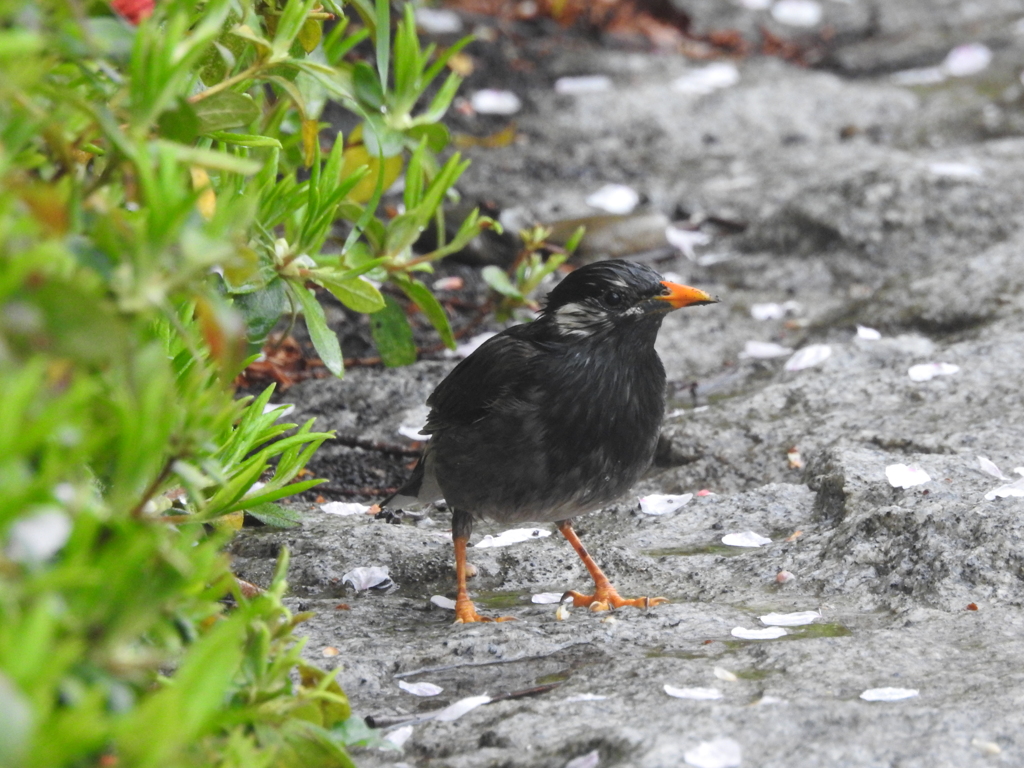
x=613, y=298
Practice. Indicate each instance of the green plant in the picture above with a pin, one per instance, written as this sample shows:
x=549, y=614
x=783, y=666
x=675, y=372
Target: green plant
x=516, y=286
x=163, y=199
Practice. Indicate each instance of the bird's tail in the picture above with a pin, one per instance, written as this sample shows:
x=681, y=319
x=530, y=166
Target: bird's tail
x=420, y=489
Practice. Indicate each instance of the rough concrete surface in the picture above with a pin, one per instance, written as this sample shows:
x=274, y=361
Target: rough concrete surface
x=898, y=208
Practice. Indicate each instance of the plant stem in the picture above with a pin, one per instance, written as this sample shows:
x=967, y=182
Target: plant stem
x=234, y=79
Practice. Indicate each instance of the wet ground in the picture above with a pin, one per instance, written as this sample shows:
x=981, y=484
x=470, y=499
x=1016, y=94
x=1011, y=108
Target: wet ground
x=865, y=201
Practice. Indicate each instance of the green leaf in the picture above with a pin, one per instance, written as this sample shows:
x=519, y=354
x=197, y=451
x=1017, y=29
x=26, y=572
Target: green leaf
x=498, y=280
x=181, y=124
x=261, y=309
x=393, y=335
x=403, y=231
x=310, y=33
x=355, y=293
x=226, y=109
x=275, y=515
x=323, y=338
x=367, y=86
x=244, y=139
x=208, y=158
x=437, y=135
x=431, y=307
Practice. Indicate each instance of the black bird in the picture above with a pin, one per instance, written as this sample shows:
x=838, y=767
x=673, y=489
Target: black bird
x=554, y=418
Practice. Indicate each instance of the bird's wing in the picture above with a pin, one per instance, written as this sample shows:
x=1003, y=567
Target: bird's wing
x=502, y=366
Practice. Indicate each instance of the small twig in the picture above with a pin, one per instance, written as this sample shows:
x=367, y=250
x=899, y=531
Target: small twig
x=154, y=486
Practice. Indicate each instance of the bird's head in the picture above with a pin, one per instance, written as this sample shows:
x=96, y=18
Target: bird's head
x=599, y=297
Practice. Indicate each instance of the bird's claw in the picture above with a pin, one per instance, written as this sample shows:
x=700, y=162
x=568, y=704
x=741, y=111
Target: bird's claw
x=607, y=599
x=465, y=613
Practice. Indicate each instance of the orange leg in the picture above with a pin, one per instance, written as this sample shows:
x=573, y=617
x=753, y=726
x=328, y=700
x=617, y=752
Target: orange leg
x=465, y=611
x=604, y=596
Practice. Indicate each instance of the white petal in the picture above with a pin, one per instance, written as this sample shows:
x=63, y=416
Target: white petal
x=768, y=633
x=921, y=76
x=493, y=102
x=797, y=13
x=989, y=468
x=584, y=697
x=756, y=5
x=470, y=345
x=809, y=356
x=869, y=334
x=928, y=371
x=283, y=409
x=697, y=694
x=966, y=60
x=583, y=84
x=724, y=674
x=589, y=760
x=660, y=504
x=764, y=350
x=784, y=577
x=745, y=539
x=367, y=576
x=797, y=619
x=443, y=602
x=720, y=753
x=889, y=694
x=399, y=736
x=614, y=198
x=547, y=598
x=38, y=537
x=770, y=311
x=345, y=508
x=420, y=689
x=412, y=432
x=685, y=240
x=460, y=707
x=955, y=170
x=902, y=476
x=513, y=536
x=438, y=21
x=450, y=283
x=1015, y=488
x=707, y=79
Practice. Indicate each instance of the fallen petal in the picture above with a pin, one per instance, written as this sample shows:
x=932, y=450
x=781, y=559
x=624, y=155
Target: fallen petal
x=438, y=21
x=902, y=476
x=443, y=602
x=420, y=689
x=547, y=598
x=399, y=736
x=769, y=311
x=869, y=334
x=38, y=537
x=697, y=694
x=460, y=707
x=928, y=371
x=660, y=504
x=493, y=102
x=809, y=356
x=686, y=240
x=920, y=76
x=745, y=539
x=589, y=760
x=366, y=577
x=513, y=536
x=768, y=633
x=469, y=346
x=989, y=468
x=1015, y=488
x=283, y=409
x=797, y=13
x=889, y=694
x=796, y=619
x=720, y=753
x=707, y=79
x=966, y=60
x=583, y=84
x=584, y=697
x=345, y=508
x=955, y=170
x=450, y=283
x=614, y=198
x=724, y=674
x=784, y=577
x=764, y=350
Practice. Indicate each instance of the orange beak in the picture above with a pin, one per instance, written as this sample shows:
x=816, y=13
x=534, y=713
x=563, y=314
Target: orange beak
x=680, y=296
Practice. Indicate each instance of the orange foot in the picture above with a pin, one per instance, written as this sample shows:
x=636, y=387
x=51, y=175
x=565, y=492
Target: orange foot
x=605, y=598
x=465, y=613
